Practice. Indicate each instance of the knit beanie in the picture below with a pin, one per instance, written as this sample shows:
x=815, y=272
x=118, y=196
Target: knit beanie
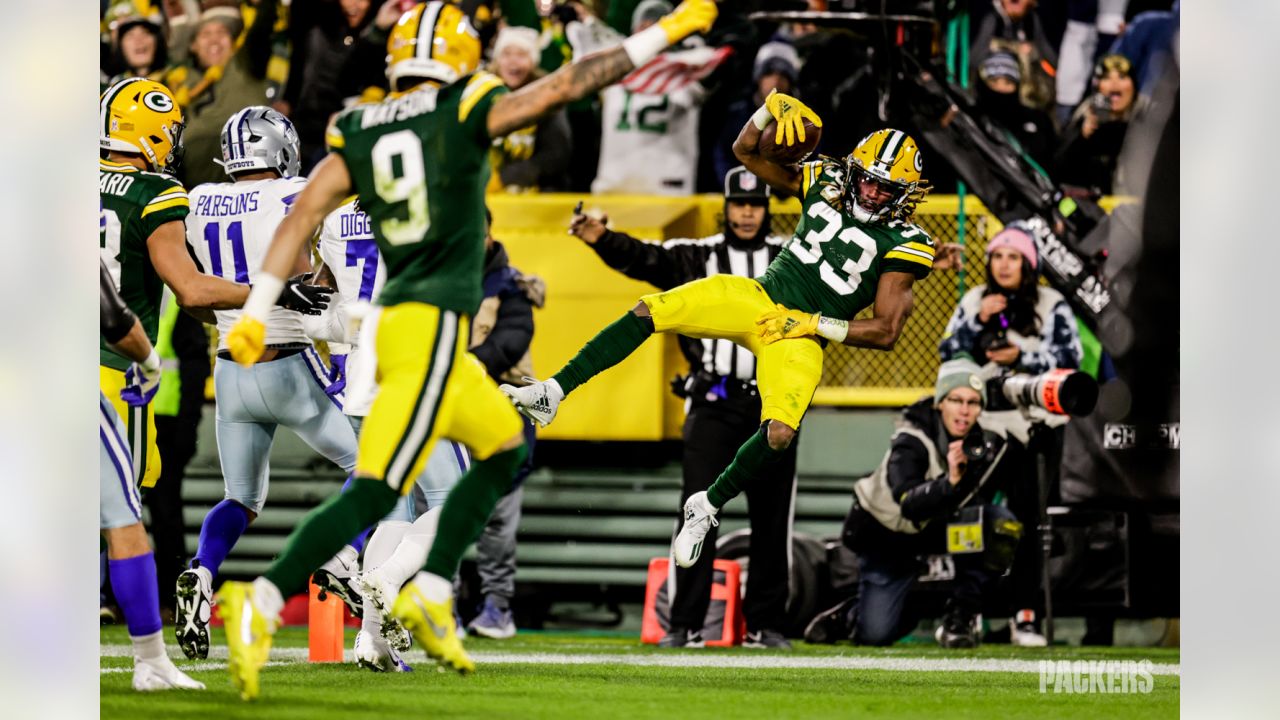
x=960, y=371
x=1016, y=237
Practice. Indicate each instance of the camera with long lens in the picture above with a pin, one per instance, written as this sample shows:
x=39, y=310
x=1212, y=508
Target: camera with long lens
x=1060, y=391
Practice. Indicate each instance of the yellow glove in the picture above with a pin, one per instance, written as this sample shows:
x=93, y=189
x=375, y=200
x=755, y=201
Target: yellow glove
x=790, y=114
x=692, y=16
x=247, y=340
x=783, y=323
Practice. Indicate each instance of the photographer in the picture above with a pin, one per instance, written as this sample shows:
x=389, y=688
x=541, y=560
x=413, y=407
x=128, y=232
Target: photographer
x=1019, y=327
x=931, y=494
x=722, y=406
x=1091, y=142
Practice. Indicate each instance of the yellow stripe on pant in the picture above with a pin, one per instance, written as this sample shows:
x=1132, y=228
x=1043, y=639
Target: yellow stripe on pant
x=140, y=425
x=726, y=307
x=429, y=387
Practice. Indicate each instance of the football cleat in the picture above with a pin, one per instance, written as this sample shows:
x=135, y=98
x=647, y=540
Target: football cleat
x=959, y=628
x=538, y=401
x=374, y=653
x=337, y=578
x=433, y=626
x=699, y=518
x=160, y=673
x=191, y=613
x=371, y=585
x=248, y=636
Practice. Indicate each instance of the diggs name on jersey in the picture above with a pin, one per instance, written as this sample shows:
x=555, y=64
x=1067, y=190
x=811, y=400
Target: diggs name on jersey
x=354, y=224
x=223, y=205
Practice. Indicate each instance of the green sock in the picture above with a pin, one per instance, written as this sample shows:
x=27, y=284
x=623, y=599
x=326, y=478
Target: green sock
x=468, y=507
x=752, y=458
x=609, y=347
x=326, y=529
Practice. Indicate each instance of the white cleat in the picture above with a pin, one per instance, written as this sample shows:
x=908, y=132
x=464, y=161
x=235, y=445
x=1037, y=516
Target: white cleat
x=161, y=674
x=699, y=518
x=373, y=588
x=374, y=653
x=538, y=401
x=194, y=596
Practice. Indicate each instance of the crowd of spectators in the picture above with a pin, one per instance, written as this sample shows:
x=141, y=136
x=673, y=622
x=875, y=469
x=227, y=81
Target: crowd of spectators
x=1062, y=77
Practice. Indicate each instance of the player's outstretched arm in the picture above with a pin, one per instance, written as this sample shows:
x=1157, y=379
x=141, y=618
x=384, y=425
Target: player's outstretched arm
x=328, y=184
x=894, y=299
x=789, y=114
x=194, y=290
x=597, y=70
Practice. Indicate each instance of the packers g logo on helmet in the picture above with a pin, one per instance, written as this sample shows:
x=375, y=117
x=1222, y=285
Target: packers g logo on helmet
x=434, y=41
x=140, y=116
x=891, y=159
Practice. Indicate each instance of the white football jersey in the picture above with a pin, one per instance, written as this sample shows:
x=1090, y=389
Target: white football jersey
x=230, y=228
x=349, y=251
x=649, y=143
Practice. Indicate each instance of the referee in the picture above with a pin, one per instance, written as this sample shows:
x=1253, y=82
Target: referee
x=722, y=407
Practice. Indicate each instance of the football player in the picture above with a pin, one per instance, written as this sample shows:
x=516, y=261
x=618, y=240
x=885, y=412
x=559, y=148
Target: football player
x=855, y=246
x=352, y=265
x=143, y=240
x=133, y=566
x=229, y=229
x=418, y=162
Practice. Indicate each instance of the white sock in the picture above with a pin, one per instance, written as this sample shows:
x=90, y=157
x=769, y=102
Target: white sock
x=267, y=599
x=382, y=543
x=411, y=553
x=436, y=588
x=705, y=502
x=342, y=564
x=149, y=647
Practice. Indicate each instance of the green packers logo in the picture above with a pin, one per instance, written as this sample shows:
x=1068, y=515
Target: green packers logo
x=158, y=101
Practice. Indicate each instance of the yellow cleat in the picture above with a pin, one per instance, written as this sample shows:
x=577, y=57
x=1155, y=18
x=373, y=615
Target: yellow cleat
x=248, y=636
x=433, y=627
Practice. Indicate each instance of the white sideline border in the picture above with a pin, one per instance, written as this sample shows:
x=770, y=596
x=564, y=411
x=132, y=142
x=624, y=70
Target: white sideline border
x=285, y=656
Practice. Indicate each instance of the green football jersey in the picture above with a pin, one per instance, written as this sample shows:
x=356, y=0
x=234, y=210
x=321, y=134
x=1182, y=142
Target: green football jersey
x=134, y=204
x=833, y=263
x=419, y=163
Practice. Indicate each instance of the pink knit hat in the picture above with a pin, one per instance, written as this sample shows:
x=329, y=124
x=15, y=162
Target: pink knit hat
x=1017, y=239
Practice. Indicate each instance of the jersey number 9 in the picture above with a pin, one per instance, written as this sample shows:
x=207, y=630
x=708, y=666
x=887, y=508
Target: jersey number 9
x=410, y=187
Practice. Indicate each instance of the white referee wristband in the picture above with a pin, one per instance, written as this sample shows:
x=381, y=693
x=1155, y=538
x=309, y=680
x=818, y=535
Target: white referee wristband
x=832, y=329
x=646, y=44
x=266, y=290
x=152, y=363
x=762, y=117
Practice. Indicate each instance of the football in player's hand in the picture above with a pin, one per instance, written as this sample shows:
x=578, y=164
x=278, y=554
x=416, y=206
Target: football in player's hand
x=783, y=154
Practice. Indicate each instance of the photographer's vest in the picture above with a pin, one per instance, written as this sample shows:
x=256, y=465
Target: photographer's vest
x=876, y=497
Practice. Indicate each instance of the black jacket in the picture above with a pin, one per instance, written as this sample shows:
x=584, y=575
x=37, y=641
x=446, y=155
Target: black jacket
x=512, y=331
x=926, y=498
x=676, y=262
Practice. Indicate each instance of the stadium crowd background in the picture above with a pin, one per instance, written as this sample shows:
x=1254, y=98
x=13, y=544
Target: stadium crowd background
x=1062, y=77
x=1043, y=69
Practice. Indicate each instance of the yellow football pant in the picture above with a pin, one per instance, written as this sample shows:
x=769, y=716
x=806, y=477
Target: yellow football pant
x=140, y=426
x=429, y=387
x=726, y=307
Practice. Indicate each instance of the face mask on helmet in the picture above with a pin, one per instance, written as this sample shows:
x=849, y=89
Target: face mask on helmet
x=872, y=198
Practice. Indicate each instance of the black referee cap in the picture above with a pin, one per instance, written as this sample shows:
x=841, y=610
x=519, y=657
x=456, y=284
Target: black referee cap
x=741, y=184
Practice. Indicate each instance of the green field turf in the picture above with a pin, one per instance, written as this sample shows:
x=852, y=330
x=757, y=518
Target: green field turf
x=569, y=675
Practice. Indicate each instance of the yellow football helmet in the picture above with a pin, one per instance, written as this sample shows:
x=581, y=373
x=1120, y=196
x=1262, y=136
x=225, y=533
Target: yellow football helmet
x=140, y=116
x=884, y=176
x=433, y=41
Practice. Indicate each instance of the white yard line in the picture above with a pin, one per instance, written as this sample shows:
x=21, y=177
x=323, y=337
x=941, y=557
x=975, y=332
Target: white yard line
x=282, y=656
